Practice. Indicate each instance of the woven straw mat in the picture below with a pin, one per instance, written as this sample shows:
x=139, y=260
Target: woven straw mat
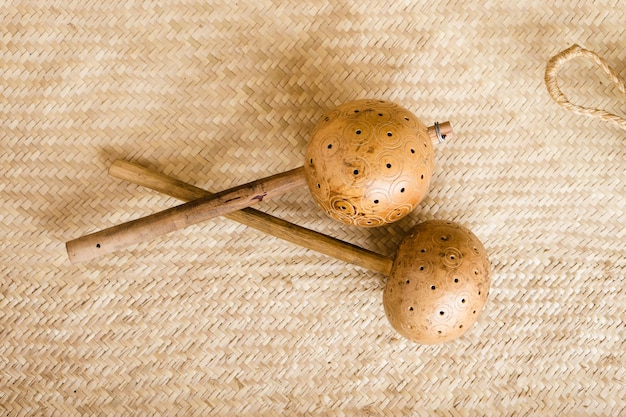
x=219, y=319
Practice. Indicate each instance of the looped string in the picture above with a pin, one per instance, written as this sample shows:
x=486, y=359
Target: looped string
x=552, y=70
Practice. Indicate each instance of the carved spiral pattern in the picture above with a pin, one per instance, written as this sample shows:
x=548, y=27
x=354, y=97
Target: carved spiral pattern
x=373, y=155
x=439, y=283
x=398, y=213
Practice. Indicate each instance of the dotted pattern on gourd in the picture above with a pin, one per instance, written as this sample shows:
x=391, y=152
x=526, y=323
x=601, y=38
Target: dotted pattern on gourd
x=369, y=162
x=439, y=282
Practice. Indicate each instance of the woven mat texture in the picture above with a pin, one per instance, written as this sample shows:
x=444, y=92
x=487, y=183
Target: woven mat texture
x=219, y=319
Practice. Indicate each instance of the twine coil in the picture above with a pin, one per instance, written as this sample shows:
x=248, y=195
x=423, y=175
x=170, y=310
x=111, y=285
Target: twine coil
x=552, y=70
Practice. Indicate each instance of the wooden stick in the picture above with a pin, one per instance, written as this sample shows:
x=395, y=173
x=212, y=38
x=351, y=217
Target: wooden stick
x=176, y=218
x=263, y=222
x=209, y=206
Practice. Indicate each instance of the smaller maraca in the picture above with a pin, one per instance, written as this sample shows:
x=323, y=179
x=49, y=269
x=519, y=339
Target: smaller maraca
x=369, y=162
x=438, y=282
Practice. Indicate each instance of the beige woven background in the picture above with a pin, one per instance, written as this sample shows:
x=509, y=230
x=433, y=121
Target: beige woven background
x=221, y=320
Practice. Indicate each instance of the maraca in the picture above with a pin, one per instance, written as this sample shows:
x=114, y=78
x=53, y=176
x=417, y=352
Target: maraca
x=438, y=282
x=369, y=162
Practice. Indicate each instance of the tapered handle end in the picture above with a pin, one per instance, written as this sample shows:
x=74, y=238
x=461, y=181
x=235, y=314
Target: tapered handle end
x=82, y=249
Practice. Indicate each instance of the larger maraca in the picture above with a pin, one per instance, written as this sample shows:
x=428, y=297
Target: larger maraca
x=438, y=282
x=369, y=162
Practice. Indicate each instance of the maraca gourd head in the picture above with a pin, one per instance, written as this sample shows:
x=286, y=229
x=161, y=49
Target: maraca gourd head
x=439, y=283
x=369, y=162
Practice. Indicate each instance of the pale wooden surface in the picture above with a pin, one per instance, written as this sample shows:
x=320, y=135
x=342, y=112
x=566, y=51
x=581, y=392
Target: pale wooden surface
x=224, y=320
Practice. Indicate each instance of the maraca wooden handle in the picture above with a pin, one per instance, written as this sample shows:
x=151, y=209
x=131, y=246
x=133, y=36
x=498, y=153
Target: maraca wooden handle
x=440, y=132
x=176, y=218
x=266, y=223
